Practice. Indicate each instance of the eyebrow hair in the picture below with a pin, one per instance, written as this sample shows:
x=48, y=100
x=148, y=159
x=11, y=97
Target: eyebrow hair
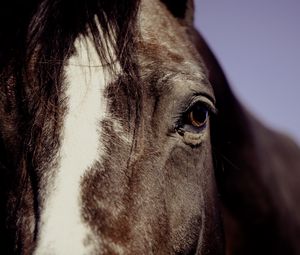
x=163, y=81
x=171, y=74
x=184, y=76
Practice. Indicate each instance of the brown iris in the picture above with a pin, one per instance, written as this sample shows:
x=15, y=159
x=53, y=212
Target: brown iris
x=197, y=116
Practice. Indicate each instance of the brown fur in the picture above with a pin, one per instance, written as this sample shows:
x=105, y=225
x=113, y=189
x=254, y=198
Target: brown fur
x=236, y=192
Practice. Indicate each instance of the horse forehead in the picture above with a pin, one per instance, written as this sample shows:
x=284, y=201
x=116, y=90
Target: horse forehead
x=158, y=25
x=164, y=41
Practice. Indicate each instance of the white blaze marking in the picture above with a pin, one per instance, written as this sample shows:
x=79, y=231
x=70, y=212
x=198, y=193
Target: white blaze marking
x=62, y=230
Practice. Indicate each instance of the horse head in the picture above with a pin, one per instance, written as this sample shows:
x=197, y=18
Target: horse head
x=120, y=135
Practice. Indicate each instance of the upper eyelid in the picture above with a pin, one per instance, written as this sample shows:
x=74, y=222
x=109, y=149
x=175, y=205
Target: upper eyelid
x=201, y=98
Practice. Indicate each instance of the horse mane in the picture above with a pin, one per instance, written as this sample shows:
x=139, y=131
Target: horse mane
x=54, y=24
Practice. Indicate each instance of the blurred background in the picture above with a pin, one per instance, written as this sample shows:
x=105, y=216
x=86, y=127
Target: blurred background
x=258, y=45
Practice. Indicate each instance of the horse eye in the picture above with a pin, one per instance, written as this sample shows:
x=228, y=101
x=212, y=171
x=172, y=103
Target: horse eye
x=197, y=116
x=193, y=121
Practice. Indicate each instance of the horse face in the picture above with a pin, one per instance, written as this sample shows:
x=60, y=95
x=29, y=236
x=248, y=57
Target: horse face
x=105, y=138
x=117, y=183
x=111, y=196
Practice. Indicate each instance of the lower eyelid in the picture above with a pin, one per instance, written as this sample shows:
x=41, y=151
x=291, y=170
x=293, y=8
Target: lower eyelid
x=192, y=138
x=194, y=130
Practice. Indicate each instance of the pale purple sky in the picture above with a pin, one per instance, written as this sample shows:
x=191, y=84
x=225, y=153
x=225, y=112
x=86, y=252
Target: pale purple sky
x=258, y=45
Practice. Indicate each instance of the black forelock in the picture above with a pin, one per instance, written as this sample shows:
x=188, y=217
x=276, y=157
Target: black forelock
x=54, y=25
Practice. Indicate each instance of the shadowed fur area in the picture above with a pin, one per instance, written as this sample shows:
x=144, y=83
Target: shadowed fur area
x=182, y=167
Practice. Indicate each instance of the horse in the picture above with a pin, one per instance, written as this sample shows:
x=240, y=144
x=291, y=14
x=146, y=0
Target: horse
x=119, y=134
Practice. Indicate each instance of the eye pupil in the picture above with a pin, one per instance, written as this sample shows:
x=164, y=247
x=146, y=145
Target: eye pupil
x=198, y=116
